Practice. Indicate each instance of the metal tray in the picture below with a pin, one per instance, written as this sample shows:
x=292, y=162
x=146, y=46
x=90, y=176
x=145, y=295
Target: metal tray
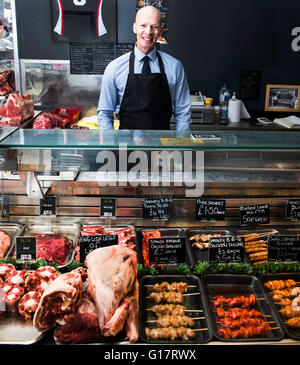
x=202, y=255
x=195, y=302
x=71, y=231
x=290, y=331
x=236, y=285
x=15, y=330
x=249, y=231
x=13, y=229
x=165, y=232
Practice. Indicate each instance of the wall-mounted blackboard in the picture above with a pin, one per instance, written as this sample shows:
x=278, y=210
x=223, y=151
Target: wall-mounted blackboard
x=250, y=41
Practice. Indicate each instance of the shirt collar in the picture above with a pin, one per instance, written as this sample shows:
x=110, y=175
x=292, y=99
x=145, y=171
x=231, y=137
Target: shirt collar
x=139, y=54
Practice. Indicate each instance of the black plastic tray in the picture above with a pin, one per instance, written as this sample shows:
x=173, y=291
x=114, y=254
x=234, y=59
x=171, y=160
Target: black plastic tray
x=291, y=332
x=202, y=255
x=165, y=232
x=191, y=302
x=236, y=285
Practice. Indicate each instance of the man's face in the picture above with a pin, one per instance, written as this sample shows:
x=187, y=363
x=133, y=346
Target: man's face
x=147, y=27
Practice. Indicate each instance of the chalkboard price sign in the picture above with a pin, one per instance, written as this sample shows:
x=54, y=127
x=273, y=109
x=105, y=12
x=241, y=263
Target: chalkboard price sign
x=210, y=209
x=4, y=201
x=293, y=209
x=89, y=243
x=26, y=248
x=158, y=208
x=284, y=248
x=253, y=215
x=167, y=250
x=48, y=205
x=108, y=207
x=226, y=249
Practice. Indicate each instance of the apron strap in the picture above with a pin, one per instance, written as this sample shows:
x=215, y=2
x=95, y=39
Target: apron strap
x=131, y=63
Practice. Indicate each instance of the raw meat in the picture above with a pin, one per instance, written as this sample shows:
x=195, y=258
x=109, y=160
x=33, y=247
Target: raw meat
x=39, y=279
x=29, y=303
x=83, y=328
x=5, y=242
x=17, y=109
x=59, y=301
x=112, y=273
x=5, y=87
x=50, y=121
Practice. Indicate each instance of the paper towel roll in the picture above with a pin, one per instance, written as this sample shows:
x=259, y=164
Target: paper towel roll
x=234, y=110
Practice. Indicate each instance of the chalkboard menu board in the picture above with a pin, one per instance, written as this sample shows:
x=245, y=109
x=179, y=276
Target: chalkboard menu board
x=284, y=248
x=92, y=58
x=89, y=243
x=48, y=205
x=25, y=248
x=253, y=215
x=4, y=201
x=210, y=209
x=157, y=208
x=293, y=209
x=167, y=250
x=108, y=207
x=226, y=249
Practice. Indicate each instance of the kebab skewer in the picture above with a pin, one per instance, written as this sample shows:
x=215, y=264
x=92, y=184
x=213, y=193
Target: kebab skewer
x=246, y=331
x=239, y=301
x=174, y=286
x=237, y=313
x=170, y=333
x=169, y=297
x=174, y=321
x=168, y=309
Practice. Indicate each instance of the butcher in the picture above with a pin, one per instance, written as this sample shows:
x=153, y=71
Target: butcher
x=145, y=87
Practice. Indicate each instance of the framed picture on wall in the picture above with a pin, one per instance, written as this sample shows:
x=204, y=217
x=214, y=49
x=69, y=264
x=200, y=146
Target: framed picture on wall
x=284, y=98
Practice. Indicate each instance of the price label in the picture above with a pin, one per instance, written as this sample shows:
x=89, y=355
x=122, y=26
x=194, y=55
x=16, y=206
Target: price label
x=158, y=208
x=226, y=249
x=88, y=244
x=108, y=207
x=48, y=205
x=167, y=250
x=253, y=215
x=4, y=201
x=26, y=248
x=283, y=248
x=210, y=209
x=293, y=209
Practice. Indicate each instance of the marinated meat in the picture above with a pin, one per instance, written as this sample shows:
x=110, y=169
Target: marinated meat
x=16, y=109
x=59, y=301
x=83, y=328
x=112, y=273
x=5, y=242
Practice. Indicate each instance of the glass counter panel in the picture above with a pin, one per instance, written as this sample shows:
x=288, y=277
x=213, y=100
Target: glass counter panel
x=91, y=139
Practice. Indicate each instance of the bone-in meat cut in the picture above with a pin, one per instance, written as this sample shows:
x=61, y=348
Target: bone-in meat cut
x=5, y=242
x=16, y=109
x=59, y=301
x=112, y=275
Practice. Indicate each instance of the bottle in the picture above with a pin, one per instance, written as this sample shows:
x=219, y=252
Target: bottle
x=224, y=97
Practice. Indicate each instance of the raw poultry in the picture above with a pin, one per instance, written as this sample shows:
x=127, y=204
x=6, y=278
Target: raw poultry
x=165, y=309
x=172, y=297
x=174, y=321
x=245, y=332
x=181, y=287
x=239, y=301
x=169, y=333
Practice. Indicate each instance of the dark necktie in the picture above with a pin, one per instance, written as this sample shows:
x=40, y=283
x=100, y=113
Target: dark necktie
x=146, y=68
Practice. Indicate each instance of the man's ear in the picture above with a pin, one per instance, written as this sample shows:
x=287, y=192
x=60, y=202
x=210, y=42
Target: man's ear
x=134, y=28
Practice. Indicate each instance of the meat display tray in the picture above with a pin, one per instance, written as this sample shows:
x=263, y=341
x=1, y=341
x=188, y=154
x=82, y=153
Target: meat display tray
x=194, y=302
x=290, y=331
x=238, y=285
x=13, y=230
x=202, y=255
x=71, y=231
x=238, y=232
x=165, y=232
x=15, y=330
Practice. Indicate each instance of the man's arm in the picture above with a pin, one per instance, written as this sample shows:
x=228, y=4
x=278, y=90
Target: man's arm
x=182, y=100
x=107, y=100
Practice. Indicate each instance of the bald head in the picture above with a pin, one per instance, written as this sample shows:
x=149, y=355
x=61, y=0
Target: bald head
x=147, y=27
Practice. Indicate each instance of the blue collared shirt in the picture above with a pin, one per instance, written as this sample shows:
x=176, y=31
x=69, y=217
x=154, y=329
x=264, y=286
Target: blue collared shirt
x=115, y=78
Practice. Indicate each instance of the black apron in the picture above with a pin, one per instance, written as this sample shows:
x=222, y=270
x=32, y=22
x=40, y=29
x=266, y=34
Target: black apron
x=146, y=103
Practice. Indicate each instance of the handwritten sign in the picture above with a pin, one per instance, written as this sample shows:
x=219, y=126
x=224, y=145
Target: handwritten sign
x=252, y=215
x=89, y=243
x=284, y=248
x=108, y=207
x=25, y=248
x=210, y=209
x=158, y=208
x=4, y=201
x=48, y=205
x=226, y=249
x=293, y=209
x=167, y=250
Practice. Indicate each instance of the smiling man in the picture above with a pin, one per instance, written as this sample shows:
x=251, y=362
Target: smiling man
x=145, y=87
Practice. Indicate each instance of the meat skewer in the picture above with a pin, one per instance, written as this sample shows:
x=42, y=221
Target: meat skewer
x=237, y=323
x=174, y=321
x=256, y=236
x=280, y=284
x=246, y=332
x=175, y=286
x=239, y=301
x=294, y=322
x=235, y=313
x=169, y=333
x=168, y=297
x=175, y=309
